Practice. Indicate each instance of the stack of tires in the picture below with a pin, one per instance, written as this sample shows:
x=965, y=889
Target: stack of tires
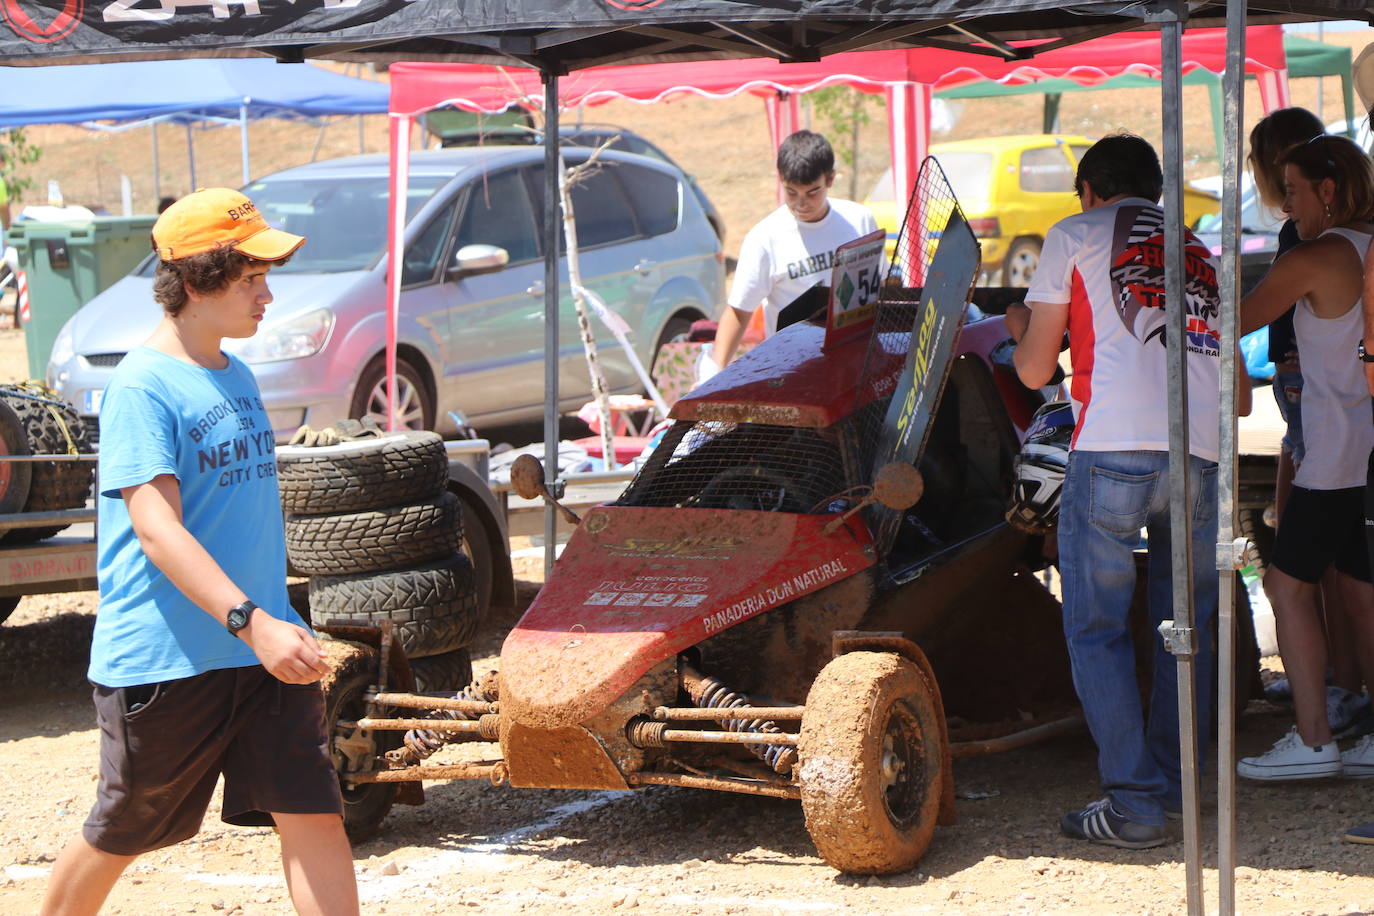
x=373, y=525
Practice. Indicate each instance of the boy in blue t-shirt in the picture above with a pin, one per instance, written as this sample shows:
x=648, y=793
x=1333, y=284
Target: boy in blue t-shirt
x=192, y=678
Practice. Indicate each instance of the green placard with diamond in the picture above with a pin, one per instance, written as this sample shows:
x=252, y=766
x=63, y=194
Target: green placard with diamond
x=854, y=286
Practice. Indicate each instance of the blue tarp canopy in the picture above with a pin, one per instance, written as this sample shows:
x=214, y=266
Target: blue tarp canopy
x=184, y=90
x=117, y=96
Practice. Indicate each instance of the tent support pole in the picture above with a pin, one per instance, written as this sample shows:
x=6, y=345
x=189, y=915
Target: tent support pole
x=1049, y=120
x=191, y=157
x=1180, y=634
x=1233, y=116
x=243, y=140
x=552, y=227
x=398, y=182
x=157, y=168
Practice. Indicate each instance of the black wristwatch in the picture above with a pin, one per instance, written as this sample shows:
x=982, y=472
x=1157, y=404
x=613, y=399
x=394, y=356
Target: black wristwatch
x=1360, y=352
x=238, y=617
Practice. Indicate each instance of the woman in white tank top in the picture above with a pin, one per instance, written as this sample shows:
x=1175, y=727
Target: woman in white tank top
x=1329, y=196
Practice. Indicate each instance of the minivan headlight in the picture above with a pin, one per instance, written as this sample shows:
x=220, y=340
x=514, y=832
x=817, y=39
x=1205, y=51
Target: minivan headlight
x=302, y=336
x=64, y=347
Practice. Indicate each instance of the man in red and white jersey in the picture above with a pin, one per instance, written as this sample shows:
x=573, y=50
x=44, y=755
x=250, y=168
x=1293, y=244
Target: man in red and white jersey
x=1101, y=278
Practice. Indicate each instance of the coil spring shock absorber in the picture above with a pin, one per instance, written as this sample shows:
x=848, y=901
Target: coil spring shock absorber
x=421, y=743
x=709, y=693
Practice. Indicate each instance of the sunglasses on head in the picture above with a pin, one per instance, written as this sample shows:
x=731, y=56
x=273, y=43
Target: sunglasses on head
x=1330, y=163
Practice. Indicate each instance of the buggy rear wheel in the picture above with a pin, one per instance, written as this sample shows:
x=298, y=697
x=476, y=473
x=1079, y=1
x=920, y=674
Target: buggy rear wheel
x=871, y=763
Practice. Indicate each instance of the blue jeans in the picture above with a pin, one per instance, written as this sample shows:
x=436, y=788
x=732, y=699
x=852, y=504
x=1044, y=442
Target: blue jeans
x=1108, y=498
x=1288, y=395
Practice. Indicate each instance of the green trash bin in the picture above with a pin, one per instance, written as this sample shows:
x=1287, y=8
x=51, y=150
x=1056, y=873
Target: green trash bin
x=67, y=265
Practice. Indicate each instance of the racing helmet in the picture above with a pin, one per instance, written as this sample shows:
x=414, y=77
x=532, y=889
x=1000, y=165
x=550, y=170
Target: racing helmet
x=1040, y=469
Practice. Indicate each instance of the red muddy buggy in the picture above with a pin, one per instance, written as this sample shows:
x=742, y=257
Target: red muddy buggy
x=769, y=608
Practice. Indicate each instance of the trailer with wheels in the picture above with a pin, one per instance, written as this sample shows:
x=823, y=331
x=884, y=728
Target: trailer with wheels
x=47, y=532
x=47, y=514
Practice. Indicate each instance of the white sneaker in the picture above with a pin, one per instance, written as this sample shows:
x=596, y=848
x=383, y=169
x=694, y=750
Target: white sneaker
x=1289, y=758
x=1358, y=762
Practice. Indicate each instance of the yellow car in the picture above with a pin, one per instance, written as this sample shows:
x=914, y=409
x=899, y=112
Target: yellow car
x=1011, y=190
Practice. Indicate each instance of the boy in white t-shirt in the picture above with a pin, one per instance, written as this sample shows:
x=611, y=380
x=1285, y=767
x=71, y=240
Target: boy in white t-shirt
x=793, y=248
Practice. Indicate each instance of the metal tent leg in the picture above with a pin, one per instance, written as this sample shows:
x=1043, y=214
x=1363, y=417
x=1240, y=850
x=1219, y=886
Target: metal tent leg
x=1180, y=635
x=1233, y=113
x=552, y=226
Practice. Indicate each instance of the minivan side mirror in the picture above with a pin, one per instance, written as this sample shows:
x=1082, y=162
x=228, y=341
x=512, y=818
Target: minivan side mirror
x=478, y=259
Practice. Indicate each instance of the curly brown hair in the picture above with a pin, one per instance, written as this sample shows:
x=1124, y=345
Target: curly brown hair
x=206, y=273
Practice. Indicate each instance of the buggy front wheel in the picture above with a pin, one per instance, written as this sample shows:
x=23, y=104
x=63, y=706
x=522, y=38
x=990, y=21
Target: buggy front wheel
x=352, y=749
x=870, y=763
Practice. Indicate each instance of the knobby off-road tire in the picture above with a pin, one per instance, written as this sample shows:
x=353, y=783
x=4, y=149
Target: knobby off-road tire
x=356, y=750
x=450, y=672
x=870, y=763
x=376, y=540
x=355, y=476
x=15, y=476
x=433, y=608
x=54, y=484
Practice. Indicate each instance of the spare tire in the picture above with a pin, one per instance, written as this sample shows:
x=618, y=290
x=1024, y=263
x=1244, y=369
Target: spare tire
x=15, y=476
x=400, y=468
x=52, y=428
x=376, y=540
x=447, y=673
x=433, y=608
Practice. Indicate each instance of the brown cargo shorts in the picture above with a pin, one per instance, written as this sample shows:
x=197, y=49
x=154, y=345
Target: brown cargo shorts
x=164, y=745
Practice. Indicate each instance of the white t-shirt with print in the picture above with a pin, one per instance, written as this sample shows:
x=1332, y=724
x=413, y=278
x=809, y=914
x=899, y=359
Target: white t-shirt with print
x=782, y=257
x=1107, y=265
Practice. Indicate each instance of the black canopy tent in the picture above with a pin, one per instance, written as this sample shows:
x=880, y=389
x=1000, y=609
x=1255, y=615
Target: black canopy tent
x=562, y=35
x=556, y=36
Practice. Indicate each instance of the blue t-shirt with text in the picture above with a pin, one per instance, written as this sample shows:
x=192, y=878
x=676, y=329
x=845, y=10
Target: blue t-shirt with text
x=208, y=429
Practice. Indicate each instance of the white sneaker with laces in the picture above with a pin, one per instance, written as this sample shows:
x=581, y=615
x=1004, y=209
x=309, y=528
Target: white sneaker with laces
x=1289, y=758
x=1358, y=762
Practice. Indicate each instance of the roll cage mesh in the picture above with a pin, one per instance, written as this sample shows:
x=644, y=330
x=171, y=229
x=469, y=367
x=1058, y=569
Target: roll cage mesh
x=928, y=212
x=726, y=465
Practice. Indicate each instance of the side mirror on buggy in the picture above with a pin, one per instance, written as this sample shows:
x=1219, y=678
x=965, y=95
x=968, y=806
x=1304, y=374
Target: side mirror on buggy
x=527, y=478
x=898, y=486
x=472, y=260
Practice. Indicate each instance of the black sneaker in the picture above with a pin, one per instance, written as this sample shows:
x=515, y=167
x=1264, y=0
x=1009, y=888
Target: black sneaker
x=1364, y=833
x=1099, y=823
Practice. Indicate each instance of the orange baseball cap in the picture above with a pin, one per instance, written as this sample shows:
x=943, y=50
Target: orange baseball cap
x=211, y=218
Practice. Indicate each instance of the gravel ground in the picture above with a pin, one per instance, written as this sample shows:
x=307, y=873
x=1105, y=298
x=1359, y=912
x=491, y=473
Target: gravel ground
x=475, y=848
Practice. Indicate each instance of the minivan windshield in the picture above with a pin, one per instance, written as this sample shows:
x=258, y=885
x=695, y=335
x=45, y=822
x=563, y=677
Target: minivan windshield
x=342, y=219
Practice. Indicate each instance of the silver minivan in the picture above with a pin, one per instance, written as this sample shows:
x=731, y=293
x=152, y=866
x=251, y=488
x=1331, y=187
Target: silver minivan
x=471, y=339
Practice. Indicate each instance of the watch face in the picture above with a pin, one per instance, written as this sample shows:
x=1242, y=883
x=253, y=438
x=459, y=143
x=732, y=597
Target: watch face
x=237, y=619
